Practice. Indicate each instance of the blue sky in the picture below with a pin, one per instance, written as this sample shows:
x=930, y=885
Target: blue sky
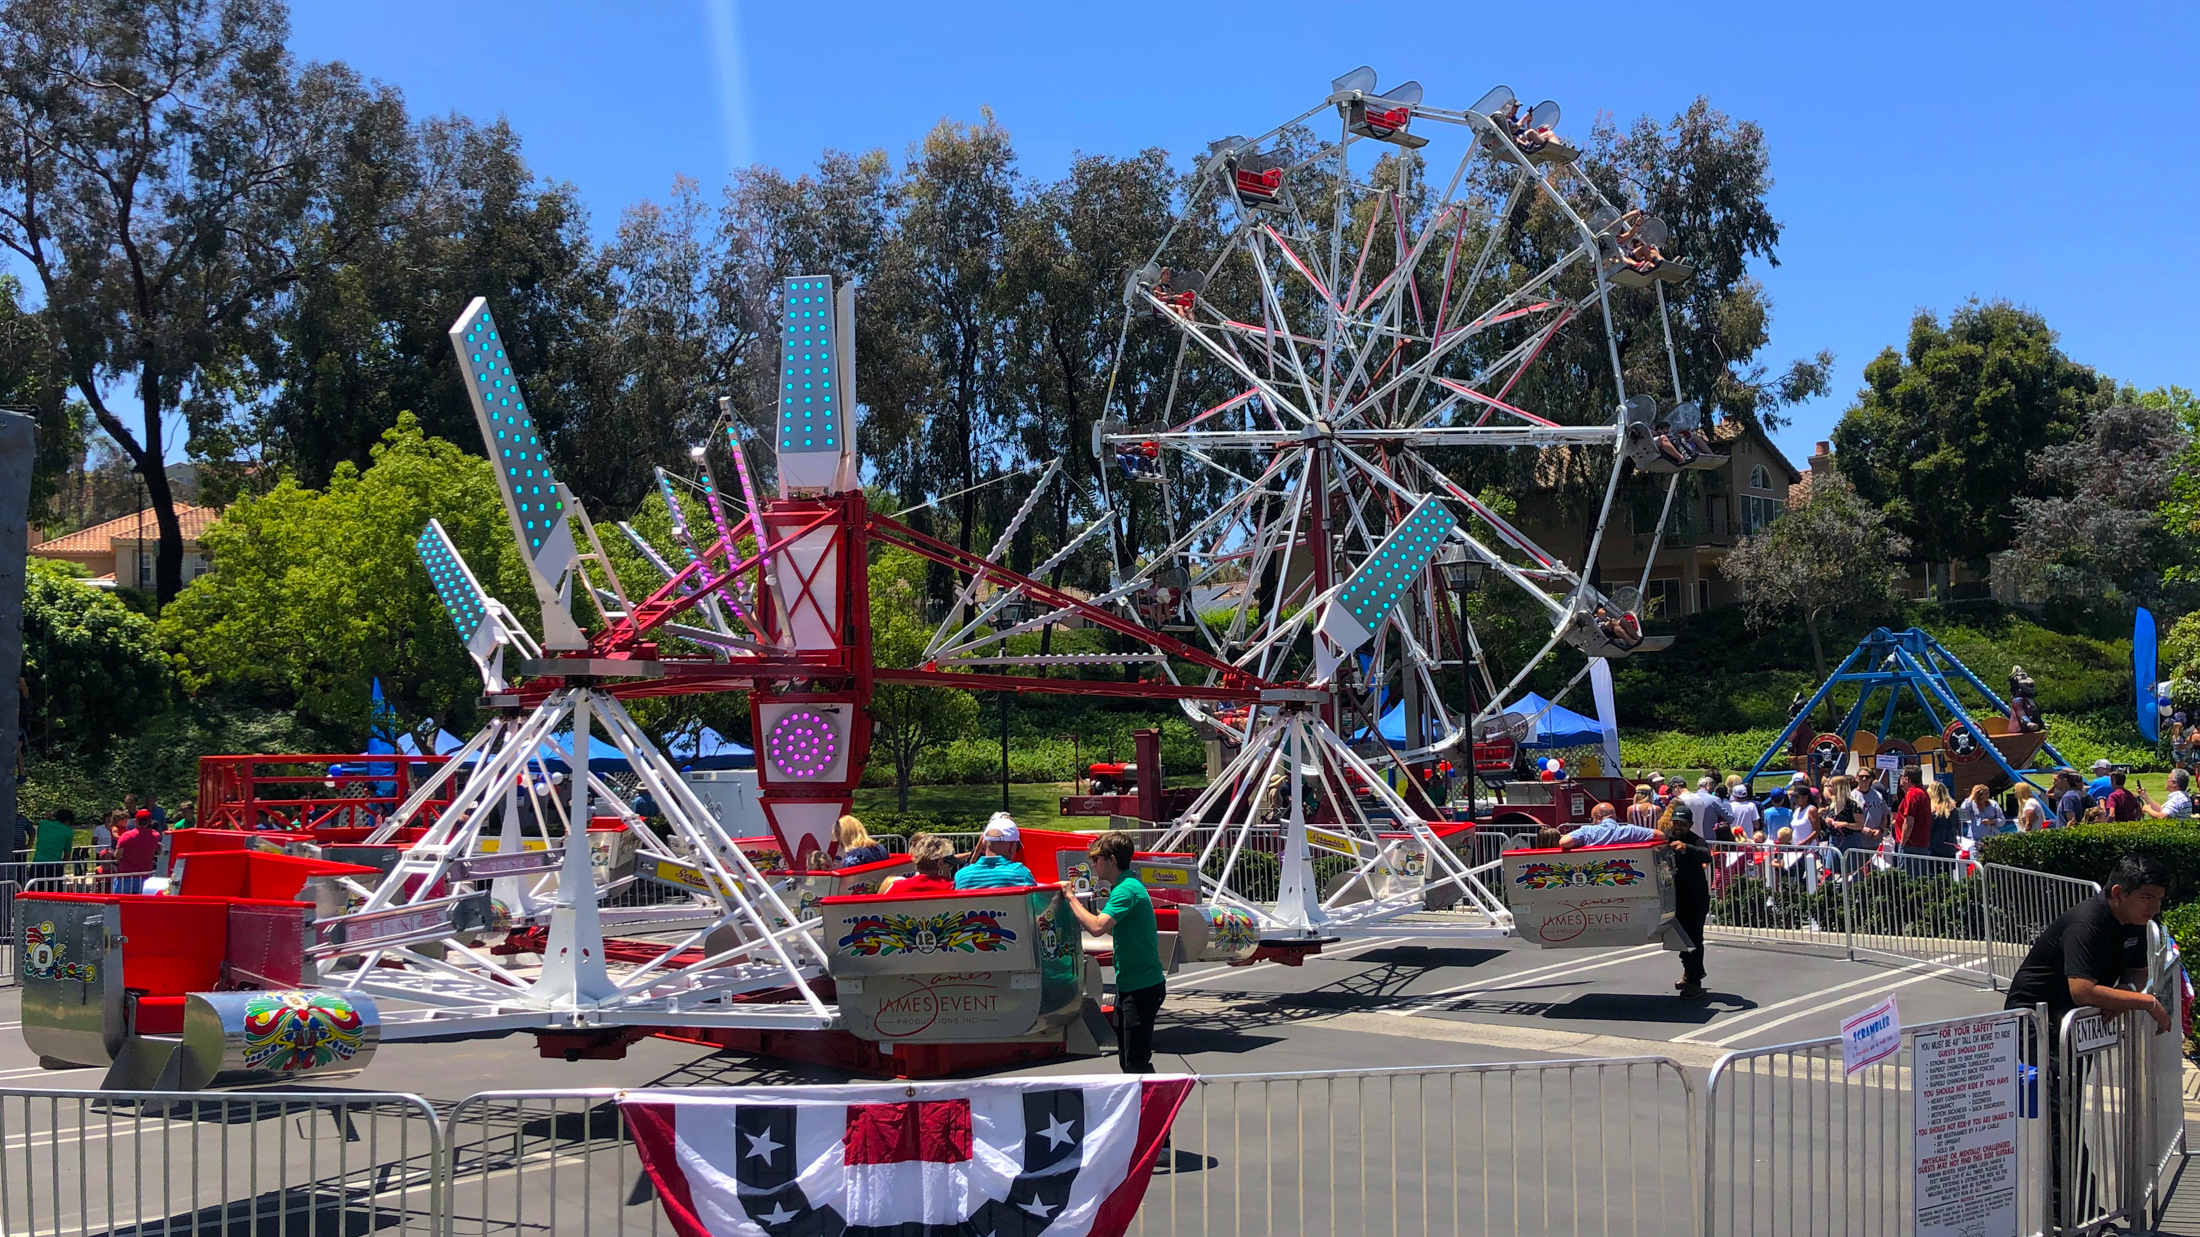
x=1924, y=153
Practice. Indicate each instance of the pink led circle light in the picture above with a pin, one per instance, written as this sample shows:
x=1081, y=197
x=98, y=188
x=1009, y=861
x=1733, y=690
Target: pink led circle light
x=801, y=745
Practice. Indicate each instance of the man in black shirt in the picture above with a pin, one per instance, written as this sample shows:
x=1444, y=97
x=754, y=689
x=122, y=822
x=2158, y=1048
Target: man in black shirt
x=2076, y=962
x=2084, y=953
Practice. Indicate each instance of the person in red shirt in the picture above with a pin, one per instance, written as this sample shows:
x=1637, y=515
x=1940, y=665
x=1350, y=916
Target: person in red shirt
x=136, y=853
x=2122, y=804
x=935, y=860
x=1913, y=819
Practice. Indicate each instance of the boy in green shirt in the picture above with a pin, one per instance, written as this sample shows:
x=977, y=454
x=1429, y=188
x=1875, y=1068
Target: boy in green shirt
x=1127, y=916
x=54, y=839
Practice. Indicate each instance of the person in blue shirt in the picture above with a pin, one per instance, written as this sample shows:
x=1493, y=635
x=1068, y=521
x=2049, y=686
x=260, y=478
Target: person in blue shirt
x=1603, y=830
x=1779, y=813
x=995, y=867
x=2098, y=788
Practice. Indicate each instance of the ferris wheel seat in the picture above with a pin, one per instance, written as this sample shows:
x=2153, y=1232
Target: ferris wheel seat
x=1625, y=276
x=1554, y=150
x=1670, y=271
x=1642, y=449
x=1705, y=462
x=1584, y=632
x=1383, y=124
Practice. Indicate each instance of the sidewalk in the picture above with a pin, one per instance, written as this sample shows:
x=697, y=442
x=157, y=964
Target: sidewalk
x=2181, y=1217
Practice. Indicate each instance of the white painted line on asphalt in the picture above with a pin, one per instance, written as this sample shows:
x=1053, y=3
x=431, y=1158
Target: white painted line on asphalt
x=1752, y=1014
x=1523, y=979
x=1222, y=969
x=40, y=1071
x=1823, y=1006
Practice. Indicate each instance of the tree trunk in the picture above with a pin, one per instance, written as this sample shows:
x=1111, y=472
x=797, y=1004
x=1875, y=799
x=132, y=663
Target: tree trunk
x=1817, y=646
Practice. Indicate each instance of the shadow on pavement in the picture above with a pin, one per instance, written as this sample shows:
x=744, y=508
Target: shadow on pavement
x=1647, y=1007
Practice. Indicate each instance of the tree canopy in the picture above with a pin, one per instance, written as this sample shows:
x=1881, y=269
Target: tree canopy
x=1828, y=555
x=319, y=592
x=94, y=667
x=1943, y=436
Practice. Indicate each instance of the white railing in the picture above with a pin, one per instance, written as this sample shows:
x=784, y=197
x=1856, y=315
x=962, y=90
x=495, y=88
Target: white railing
x=1973, y=919
x=81, y=1162
x=1531, y=1148
x=2121, y=1106
x=1795, y=1145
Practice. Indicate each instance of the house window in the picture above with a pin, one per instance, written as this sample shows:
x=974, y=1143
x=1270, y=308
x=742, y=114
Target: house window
x=1703, y=596
x=1758, y=512
x=144, y=571
x=1759, y=479
x=1662, y=599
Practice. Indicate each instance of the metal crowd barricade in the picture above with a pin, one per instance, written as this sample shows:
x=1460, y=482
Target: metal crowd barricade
x=1532, y=1148
x=2121, y=1115
x=1974, y=919
x=247, y=1162
x=10, y=937
x=1792, y=1145
x=91, y=882
x=2020, y=903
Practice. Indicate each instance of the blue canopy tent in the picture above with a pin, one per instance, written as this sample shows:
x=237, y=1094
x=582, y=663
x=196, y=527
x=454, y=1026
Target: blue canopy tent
x=1551, y=725
x=710, y=750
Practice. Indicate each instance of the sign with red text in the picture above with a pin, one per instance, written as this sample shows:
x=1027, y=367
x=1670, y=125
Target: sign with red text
x=1965, y=1135
x=1870, y=1037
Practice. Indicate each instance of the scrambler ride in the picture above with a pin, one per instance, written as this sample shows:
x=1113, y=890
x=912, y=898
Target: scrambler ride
x=469, y=910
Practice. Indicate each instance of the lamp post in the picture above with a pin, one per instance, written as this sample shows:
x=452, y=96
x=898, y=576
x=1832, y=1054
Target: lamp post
x=1462, y=573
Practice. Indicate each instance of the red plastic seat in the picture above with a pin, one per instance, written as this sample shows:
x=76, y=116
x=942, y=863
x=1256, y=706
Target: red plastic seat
x=160, y=1015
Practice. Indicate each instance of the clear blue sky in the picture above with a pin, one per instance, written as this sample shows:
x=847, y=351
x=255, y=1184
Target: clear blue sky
x=1923, y=152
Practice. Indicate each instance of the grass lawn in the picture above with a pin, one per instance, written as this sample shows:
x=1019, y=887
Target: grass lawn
x=1036, y=802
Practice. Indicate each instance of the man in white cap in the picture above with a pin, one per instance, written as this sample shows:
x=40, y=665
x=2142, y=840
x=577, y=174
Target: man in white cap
x=995, y=867
x=2098, y=788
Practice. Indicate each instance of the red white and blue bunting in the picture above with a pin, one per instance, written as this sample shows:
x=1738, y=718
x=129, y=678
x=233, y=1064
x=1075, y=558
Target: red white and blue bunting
x=1065, y=1156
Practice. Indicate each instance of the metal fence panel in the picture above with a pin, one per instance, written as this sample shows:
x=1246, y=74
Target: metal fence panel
x=273, y=1163
x=2020, y=903
x=1975, y=919
x=1590, y=1146
x=10, y=937
x=1792, y=1145
x=1536, y=1148
x=547, y=1162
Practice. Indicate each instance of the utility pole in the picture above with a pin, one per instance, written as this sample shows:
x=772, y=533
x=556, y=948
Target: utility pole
x=18, y=439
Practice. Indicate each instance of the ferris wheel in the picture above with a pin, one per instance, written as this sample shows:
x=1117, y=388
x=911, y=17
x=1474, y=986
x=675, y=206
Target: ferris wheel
x=1355, y=340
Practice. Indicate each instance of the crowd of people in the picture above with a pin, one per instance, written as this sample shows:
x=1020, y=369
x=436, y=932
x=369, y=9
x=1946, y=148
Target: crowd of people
x=122, y=841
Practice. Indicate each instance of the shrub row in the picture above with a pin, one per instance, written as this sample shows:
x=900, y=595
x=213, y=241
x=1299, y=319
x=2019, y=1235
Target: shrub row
x=2089, y=851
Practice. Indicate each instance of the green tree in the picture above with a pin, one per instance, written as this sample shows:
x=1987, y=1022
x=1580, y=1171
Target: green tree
x=436, y=212
x=154, y=161
x=32, y=381
x=93, y=666
x=1829, y=555
x=315, y=593
x=2106, y=530
x=1944, y=433
x=908, y=720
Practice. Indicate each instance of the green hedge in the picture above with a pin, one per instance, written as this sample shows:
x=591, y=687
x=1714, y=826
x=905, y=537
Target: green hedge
x=2089, y=851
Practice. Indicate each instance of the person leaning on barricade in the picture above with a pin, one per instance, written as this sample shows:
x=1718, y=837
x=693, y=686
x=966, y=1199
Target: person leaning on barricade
x=2079, y=961
x=2089, y=948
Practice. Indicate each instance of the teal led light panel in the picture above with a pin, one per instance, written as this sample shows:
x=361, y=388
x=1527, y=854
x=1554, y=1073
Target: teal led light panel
x=454, y=584
x=810, y=409
x=1373, y=591
x=523, y=462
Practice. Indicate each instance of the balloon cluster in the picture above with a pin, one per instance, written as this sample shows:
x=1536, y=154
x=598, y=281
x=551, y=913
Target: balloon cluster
x=1553, y=768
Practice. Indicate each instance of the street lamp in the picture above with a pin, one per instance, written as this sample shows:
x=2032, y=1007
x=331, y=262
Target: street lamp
x=1462, y=573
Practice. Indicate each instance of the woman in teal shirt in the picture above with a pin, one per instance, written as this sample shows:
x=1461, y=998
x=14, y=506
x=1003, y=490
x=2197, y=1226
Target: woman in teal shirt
x=1127, y=916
